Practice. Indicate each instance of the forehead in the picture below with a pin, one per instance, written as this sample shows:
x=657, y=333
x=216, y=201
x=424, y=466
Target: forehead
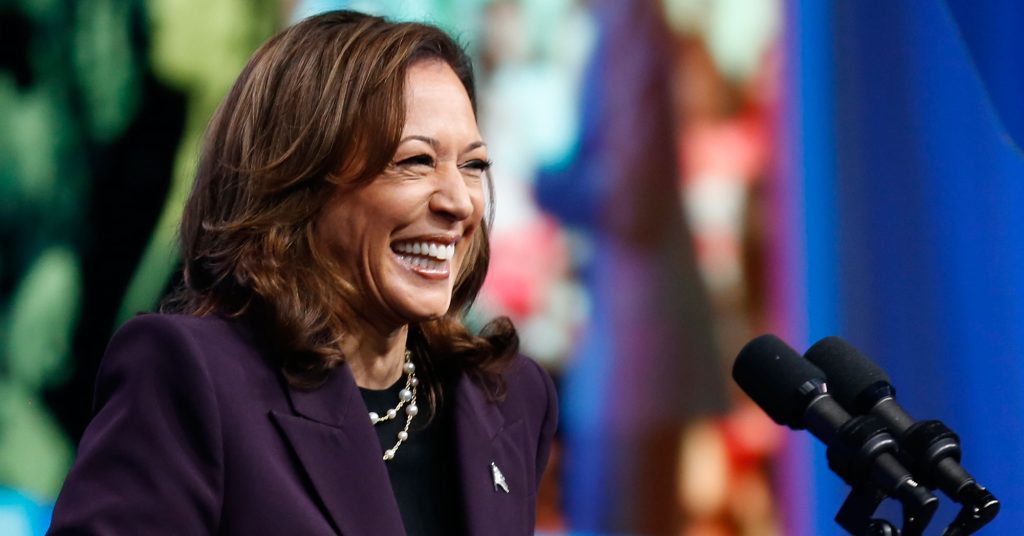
x=434, y=96
x=430, y=75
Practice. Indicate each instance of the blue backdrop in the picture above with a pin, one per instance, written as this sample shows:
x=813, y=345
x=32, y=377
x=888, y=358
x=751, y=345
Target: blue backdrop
x=905, y=127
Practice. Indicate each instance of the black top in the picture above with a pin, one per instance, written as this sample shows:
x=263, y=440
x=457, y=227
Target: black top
x=423, y=472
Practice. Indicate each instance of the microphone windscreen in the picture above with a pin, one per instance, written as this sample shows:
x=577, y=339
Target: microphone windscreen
x=773, y=373
x=850, y=374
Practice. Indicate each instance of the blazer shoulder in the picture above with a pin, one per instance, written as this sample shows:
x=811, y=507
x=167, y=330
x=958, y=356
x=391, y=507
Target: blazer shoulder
x=174, y=353
x=531, y=388
x=197, y=329
x=154, y=336
x=151, y=461
x=524, y=376
x=157, y=353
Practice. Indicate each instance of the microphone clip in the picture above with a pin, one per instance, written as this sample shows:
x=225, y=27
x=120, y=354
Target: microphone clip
x=933, y=452
x=864, y=457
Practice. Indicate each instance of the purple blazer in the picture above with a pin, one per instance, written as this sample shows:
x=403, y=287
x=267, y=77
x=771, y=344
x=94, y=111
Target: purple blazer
x=195, y=432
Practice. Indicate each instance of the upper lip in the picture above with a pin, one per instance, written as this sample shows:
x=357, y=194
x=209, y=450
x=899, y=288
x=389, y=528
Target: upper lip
x=444, y=239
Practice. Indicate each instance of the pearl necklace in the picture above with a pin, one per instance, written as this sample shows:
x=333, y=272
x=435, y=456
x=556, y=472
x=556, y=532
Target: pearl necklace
x=406, y=395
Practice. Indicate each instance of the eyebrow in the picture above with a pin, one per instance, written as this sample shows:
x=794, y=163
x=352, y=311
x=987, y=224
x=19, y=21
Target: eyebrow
x=435, y=144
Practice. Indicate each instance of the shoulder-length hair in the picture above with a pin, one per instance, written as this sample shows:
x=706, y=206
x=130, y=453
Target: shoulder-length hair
x=320, y=105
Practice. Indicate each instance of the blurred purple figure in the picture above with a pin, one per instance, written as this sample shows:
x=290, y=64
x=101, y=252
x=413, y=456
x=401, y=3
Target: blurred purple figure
x=648, y=363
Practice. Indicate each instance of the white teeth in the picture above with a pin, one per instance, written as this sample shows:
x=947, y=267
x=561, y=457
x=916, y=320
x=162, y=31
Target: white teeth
x=427, y=264
x=440, y=252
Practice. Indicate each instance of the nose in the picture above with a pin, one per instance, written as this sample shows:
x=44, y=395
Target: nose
x=452, y=197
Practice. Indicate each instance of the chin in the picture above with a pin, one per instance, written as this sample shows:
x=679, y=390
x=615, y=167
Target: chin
x=416, y=318
x=423, y=311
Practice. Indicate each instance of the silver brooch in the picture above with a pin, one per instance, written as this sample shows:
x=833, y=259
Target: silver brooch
x=499, y=479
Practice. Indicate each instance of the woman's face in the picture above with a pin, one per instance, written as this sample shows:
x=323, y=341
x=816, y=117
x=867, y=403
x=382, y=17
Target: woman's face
x=402, y=239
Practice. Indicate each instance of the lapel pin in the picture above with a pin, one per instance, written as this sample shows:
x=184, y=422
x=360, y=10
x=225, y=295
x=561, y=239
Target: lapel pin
x=499, y=479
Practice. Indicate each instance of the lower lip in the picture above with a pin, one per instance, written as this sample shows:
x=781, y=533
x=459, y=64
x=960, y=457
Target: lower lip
x=426, y=273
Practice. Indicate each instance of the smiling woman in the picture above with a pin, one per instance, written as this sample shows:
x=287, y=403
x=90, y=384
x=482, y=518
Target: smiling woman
x=392, y=236
x=334, y=238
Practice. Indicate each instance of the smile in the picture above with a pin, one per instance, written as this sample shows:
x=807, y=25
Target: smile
x=430, y=259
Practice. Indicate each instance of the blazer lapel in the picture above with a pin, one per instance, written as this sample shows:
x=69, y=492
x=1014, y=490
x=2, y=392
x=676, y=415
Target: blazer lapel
x=339, y=451
x=484, y=438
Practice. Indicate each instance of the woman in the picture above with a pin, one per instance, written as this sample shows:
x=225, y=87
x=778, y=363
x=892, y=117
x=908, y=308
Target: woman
x=317, y=377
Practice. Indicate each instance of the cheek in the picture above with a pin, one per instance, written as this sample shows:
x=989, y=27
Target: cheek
x=468, y=259
x=345, y=234
x=336, y=231
x=479, y=205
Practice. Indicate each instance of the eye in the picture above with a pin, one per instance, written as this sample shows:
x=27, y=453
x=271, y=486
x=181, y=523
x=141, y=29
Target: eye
x=478, y=165
x=418, y=160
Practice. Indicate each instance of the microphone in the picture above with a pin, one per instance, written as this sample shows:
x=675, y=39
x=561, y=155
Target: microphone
x=794, y=393
x=930, y=448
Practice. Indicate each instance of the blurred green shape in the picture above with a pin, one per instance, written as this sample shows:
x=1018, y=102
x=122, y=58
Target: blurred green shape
x=29, y=145
x=105, y=65
x=199, y=47
x=41, y=320
x=34, y=453
x=37, y=9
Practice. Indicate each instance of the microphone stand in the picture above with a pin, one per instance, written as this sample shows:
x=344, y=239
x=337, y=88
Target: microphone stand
x=854, y=458
x=979, y=507
x=932, y=451
x=855, y=513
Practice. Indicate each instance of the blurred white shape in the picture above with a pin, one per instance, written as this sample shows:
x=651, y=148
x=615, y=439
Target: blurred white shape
x=737, y=32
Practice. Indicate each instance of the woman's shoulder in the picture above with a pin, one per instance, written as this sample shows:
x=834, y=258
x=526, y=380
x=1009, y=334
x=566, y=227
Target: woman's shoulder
x=198, y=328
x=525, y=374
x=176, y=342
x=154, y=446
x=198, y=332
x=531, y=391
x=530, y=387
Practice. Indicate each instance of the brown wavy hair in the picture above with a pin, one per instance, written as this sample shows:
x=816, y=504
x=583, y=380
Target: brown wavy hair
x=318, y=107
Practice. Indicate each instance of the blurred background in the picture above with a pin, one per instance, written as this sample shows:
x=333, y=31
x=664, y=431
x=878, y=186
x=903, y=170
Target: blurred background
x=673, y=177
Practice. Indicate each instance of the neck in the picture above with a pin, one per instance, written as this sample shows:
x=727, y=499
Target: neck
x=375, y=358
